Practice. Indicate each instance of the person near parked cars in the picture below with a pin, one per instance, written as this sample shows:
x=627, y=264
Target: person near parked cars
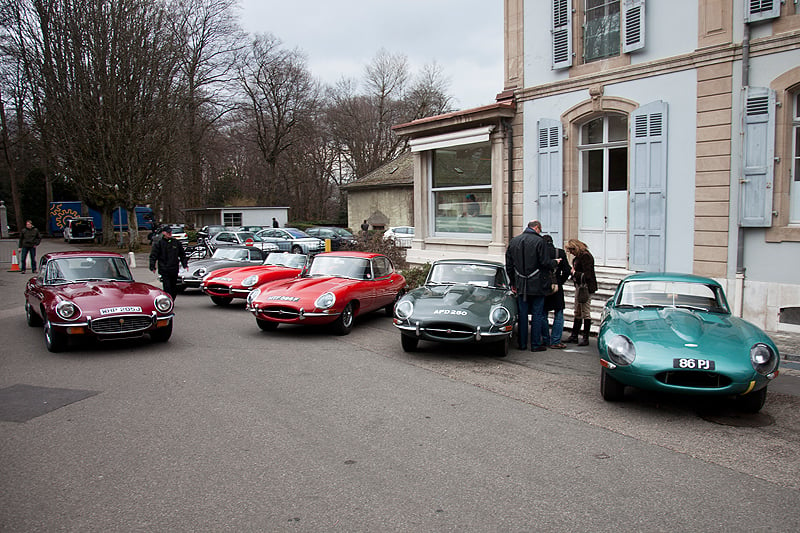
x=585, y=280
x=555, y=302
x=275, y=223
x=29, y=239
x=169, y=255
x=528, y=266
x=365, y=226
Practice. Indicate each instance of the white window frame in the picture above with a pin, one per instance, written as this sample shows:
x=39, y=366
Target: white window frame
x=794, y=186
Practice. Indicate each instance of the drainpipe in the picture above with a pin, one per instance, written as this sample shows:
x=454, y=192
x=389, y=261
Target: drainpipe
x=740, y=269
x=510, y=147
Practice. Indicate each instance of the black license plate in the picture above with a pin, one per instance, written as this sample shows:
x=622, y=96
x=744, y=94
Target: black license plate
x=693, y=364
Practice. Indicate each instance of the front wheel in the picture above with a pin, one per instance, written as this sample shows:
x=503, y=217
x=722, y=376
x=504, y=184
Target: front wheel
x=266, y=325
x=344, y=322
x=31, y=317
x=296, y=249
x=753, y=402
x=221, y=301
x=162, y=334
x=611, y=389
x=55, y=341
x=409, y=343
x=500, y=349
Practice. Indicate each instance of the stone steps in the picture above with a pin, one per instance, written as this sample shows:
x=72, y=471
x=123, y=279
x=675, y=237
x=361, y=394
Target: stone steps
x=608, y=279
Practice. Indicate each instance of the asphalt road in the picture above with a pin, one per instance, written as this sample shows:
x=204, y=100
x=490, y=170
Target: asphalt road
x=227, y=428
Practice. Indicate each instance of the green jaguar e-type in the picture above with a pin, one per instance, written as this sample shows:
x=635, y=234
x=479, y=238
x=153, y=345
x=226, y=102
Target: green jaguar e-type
x=463, y=300
x=675, y=333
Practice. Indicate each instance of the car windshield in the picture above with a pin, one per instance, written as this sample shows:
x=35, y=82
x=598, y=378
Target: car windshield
x=286, y=259
x=72, y=269
x=297, y=234
x=244, y=235
x=470, y=274
x=237, y=254
x=685, y=294
x=343, y=267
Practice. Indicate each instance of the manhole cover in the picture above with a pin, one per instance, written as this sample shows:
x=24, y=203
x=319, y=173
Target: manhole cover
x=20, y=403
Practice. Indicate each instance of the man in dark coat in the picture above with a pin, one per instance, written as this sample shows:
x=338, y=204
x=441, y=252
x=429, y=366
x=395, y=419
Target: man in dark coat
x=29, y=239
x=169, y=254
x=555, y=302
x=528, y=265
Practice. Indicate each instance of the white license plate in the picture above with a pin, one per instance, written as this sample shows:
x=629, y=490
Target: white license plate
x=693, y=364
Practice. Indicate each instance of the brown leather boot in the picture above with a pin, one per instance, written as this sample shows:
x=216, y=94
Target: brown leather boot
x=576, y=327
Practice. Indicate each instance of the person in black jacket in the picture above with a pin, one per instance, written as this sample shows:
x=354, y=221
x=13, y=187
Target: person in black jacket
x=555, y=302
x=583, y=275
x=29, y=239
x=169, y=255
x=528, y=265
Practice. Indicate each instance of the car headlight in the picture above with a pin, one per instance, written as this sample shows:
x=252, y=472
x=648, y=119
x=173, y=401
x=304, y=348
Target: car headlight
x=325, y=301
x=499, y=316
x=200, y=272
x=249, y=281
x=404, y=309
x=163, y=303
x=763, y=359
x=67, y=310
x=621, y=350
x=252, y=295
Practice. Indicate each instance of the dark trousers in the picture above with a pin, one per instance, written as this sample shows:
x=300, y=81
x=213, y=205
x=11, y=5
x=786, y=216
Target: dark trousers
x=533, y=305
x=170, y=284
x=24, y=258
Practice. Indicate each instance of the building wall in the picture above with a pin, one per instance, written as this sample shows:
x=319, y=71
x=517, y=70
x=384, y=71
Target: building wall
x=396, y=203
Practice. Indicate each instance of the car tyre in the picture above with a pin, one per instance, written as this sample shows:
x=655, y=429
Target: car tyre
x=221, y=301
x=611, y=389
x=409, y=343
x=31, y=317
x=500, y=349
x=55, y=341
x=266, y=325
x=297, y=249
x=162, y=334
x=390, y=308
x=344, y=322
x=753, y=402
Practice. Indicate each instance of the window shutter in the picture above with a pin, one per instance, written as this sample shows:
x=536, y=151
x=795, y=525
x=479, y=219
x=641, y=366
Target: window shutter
x=648, y=188
x=758, y=158
x=549, y=180
x=632, y=25
x=755, y=10
x=562, y=34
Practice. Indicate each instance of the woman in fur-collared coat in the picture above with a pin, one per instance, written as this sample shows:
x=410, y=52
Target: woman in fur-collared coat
x=582, y=274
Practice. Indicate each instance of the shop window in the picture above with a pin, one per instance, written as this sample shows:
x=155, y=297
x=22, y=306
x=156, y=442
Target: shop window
x=461, y=189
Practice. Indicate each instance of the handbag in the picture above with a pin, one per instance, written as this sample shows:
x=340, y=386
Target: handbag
x=583, y=294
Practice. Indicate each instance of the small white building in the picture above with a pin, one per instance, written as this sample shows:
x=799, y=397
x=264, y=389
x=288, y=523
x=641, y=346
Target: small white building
x=237, y=216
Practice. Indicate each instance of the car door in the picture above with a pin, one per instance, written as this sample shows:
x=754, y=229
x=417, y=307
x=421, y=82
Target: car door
x=385, y=290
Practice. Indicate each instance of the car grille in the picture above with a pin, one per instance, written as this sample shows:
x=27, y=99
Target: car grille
x=695, y=379
x=218, y=289
x=449, y=330
x=280, y=312
x=121, y=324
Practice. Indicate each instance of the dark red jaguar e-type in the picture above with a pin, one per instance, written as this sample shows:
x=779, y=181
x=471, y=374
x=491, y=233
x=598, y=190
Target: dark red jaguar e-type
x=93, y=294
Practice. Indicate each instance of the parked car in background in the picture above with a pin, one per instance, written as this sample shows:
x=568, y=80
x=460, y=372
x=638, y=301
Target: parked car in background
x=337, y=287
x=240, y=238
x=339, y=237
x=93, y=295
x=292, y=240
x=252, y=229
x=206, y=232
x=225, y=257
x=79, y=229
x=179, y=233
x=675, y=333
x=462, y=301
x=226, y=284
x=401, y=235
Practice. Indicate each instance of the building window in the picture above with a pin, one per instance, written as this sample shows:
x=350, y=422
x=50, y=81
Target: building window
x=461, y=189
x=604, y=154
x=232, y=219
x=794, y=193
x=601, y=31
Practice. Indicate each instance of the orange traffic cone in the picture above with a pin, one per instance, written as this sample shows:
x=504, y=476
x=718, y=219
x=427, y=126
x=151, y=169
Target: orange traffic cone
x=14, y=262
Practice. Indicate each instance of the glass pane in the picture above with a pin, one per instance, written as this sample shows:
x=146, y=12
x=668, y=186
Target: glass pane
x=458, y=166
x=592, y=171
x=592, y=132
x=617, y=128
x=601, y=33
x=797, y=105
x=618, y=169
x=797, y=153
x=460, y=212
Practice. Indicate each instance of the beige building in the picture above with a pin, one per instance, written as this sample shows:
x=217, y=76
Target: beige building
x=384, y=197
x=665, y=135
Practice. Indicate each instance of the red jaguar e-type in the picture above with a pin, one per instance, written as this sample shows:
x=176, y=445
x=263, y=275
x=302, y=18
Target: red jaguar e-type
x=93, y=295
x=337, y=287
x=225, y=284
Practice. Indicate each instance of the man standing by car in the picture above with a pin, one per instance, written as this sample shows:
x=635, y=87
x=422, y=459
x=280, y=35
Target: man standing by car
x=528, y=266
x=169, y=255
x=29, y=239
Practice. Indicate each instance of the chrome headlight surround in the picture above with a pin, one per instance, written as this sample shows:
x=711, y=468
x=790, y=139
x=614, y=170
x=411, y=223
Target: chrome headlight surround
x=325, y=301
x=67, y=310
x=499, y=316
x=621, y=350
x=200, y=272
x=163, y=303
x=404, y=309
x=763, y=358
x=249, y=281
x=252, y=295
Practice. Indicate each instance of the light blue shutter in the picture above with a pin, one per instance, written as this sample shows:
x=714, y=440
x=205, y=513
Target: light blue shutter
x=562, y=33
x=755, y=10
x=758, y=159
x=632, y=25
x=648, y=211
x=550, y=180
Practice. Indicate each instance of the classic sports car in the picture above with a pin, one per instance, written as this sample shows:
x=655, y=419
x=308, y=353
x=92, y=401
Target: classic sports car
x=229, y=283
x=337, y=287
x=93, y=295
x=226, y=257
x=292, y=240
x=675, y=333
x=463, y=300
x=226, y=238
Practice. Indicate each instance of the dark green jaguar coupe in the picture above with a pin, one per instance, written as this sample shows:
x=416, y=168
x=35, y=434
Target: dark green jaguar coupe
x=463, y=300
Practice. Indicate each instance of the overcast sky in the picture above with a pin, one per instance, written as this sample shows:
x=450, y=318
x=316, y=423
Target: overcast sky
x=339, y=37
